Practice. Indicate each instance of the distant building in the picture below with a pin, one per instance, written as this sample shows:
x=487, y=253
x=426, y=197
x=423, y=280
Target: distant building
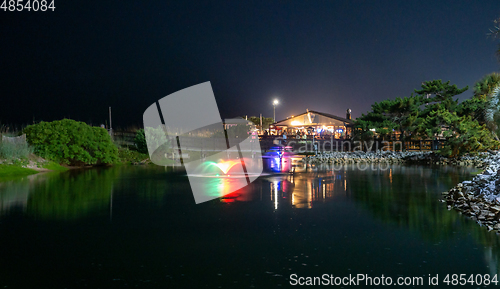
x=230, y=122
x=315, y=122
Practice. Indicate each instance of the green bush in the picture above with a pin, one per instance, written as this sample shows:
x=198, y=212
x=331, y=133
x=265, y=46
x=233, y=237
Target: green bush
x=140, y=141
x=131, y=156
x=71, y=142
x=157, y=139
x=10, y=150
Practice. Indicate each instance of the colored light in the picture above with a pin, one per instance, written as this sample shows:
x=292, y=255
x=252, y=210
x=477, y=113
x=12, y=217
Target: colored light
x=225, y=166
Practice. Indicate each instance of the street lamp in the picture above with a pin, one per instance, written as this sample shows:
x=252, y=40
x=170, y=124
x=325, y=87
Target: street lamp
x=275, y=103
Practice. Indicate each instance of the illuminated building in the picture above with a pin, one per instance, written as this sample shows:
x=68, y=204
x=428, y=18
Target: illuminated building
x=315, y=123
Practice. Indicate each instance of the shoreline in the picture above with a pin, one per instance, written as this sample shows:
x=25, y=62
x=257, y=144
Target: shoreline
x=423, y=158
x=478, y=199
x=33, y=164
x=15, y=170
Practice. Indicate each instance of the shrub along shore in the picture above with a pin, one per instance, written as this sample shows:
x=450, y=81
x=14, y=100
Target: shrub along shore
x=64, y=144
x=478, y=199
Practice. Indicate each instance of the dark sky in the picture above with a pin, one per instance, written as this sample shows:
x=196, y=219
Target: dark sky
x=322, y=55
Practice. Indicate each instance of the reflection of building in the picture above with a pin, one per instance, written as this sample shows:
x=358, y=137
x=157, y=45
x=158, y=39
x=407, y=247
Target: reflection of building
x=302, y=191
x=319, y=189
x=313, y=122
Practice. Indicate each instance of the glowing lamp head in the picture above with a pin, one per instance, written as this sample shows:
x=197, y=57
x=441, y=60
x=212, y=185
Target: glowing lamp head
x=275, y=102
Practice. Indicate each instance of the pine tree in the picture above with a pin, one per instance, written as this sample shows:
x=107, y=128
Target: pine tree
x=433, y=112
x=495, y=32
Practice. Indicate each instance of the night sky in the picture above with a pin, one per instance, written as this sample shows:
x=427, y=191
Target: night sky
x=322, y=55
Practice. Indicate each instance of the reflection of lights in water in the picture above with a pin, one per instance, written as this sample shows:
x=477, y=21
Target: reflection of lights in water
x=302, y=192
x=211, y=179
x=215, y=187
x=275, y=185
x=309, y=195
x=219, y=187
x=276, y=164
x=390, y=175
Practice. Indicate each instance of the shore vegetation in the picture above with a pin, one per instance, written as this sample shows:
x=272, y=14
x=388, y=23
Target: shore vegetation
x=72, y=142
x=433, y=112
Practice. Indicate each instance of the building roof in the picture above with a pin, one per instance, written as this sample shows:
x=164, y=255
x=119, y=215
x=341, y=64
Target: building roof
x=325, y=118
x=236, y=121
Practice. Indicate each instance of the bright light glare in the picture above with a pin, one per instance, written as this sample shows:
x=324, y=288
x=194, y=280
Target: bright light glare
x=275, y=102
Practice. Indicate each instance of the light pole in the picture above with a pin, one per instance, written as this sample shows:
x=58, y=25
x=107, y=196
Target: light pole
x=275, y=103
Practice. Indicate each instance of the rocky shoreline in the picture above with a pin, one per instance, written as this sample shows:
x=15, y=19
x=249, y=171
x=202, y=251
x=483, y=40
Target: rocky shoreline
x=479, y=198
x=390, y=157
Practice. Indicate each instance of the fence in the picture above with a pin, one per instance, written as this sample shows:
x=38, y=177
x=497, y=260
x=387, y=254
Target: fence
x=18, y=140
x=424, y=145
x=124, y=138
x=298, y=145
x=312, y=145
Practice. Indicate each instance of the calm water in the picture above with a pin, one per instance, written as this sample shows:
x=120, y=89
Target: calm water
x=139, y=227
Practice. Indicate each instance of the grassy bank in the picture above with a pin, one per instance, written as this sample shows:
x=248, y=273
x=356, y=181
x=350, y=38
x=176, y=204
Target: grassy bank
x=10, y=170
x=52, y=166
x=27, y=166
x=34, y=164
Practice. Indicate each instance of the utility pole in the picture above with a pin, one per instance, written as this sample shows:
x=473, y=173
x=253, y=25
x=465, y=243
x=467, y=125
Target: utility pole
x=110, y=126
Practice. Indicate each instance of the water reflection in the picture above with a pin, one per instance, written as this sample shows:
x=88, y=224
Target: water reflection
x=14, y=194
x=305, y=210
x=76, y=193
x=303, y=190
x=406, y=197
